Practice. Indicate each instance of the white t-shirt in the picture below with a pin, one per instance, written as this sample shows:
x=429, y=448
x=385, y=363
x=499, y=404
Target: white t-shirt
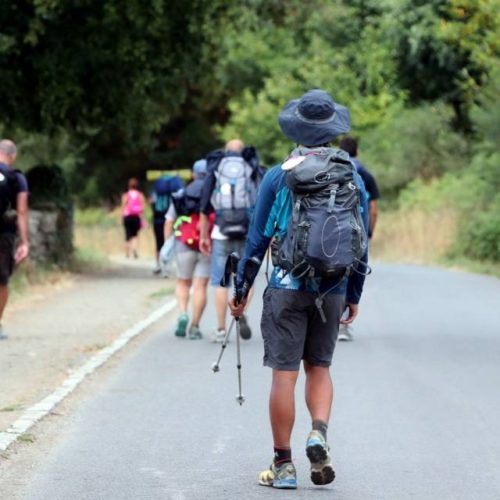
x=216, y=234
x=171, y=212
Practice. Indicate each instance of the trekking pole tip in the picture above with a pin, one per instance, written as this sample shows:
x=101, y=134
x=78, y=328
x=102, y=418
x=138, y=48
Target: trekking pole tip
x=215, y=367
x=240, y=399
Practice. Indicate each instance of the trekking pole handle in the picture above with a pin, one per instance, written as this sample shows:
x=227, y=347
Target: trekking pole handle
x=232, y=262
x=252, y=266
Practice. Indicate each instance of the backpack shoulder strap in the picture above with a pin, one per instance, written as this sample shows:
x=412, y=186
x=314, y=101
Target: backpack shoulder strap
x=213, y=160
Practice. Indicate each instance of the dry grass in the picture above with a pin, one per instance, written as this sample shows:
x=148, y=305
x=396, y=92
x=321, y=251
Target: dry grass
x=414, y=236
x=110, y=240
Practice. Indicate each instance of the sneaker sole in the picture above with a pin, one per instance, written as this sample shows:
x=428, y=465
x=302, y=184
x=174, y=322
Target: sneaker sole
x=344, y=338
x=325, y=475
x=219, y=341
x=320, y=473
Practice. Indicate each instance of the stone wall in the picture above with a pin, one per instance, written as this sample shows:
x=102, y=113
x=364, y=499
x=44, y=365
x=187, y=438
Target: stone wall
x=50, y=236
x=50, y=216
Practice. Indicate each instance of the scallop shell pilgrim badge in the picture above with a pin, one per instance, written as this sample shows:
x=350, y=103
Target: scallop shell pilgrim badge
x=292, y=162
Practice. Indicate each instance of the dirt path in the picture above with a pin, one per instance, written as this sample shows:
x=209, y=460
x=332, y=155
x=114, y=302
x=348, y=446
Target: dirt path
x=55, y=329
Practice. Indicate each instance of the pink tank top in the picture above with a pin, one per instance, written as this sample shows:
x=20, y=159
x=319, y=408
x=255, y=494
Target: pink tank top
x=133, y=205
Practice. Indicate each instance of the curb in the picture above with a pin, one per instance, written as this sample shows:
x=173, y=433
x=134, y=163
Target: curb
x=45, y=406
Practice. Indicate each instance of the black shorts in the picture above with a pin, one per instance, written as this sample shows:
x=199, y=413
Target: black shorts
x=293, y=330
x=159, y=229
x=132, y=224
x=7, y=261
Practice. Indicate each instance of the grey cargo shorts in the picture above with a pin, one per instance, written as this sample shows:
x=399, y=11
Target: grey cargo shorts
x=293, y=330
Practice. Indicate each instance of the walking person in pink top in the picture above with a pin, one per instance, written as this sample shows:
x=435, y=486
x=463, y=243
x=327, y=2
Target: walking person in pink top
x=133, y=203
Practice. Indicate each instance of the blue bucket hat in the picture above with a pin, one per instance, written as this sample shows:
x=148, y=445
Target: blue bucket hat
x=200, y=168
x=314, y=119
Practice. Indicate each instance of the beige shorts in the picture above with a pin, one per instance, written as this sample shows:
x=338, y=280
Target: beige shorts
x=190, y=263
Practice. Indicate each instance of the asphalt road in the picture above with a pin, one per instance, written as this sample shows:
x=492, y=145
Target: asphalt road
x=416, y=414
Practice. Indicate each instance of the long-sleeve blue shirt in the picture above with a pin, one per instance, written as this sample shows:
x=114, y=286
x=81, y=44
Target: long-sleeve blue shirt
x=270, y=218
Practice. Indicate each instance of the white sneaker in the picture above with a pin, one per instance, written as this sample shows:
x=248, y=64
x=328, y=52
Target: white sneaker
x=345, y=333
x=218, y=336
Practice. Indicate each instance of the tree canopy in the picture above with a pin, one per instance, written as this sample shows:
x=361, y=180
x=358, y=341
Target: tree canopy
x=108, y=88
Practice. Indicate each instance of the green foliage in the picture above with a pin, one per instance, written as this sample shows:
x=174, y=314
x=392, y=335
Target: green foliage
x=96, y=217
x=479, y=236
x=60, y=148
x=485, y=114
x=416, y=143
x=110, y=89
x=443, y=49
x=328, y=51
x=120, y=67
x=111, y=75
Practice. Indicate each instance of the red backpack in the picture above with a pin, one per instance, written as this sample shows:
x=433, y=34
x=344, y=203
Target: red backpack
x=187, y=229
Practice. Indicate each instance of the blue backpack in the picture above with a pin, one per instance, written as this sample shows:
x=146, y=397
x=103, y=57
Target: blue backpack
x=163, y=189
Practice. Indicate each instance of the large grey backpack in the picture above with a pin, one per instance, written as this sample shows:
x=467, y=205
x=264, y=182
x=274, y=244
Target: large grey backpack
x=234, y=195
x=326, y=236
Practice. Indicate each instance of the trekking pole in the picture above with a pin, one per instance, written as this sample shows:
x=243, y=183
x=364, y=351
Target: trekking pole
x=232, y=262
x=250, y=271
x=215, y=366
x=224, y=282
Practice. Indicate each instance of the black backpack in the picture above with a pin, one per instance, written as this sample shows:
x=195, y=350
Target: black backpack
x=8, y=191
x=187, y=200
x=326, y=236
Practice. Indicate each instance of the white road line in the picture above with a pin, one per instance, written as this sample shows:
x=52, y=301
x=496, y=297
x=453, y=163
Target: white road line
x=39, y=410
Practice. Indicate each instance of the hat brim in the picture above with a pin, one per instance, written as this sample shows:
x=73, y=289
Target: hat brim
x=310, y=132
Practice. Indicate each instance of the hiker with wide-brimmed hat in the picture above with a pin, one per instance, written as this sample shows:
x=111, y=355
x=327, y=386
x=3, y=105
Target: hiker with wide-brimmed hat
x=313, y=208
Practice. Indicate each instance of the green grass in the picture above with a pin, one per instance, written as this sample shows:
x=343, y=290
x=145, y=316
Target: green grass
x=34, y=274
x=26, y=438
x=15, y=407
x=472, y=266
x=162, y=292
x=88, y=259
x=96, y=216
x=30, y=273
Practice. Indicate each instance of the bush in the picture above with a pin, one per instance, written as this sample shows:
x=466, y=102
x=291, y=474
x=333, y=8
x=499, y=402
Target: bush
x=479, y=236
x=413, y=144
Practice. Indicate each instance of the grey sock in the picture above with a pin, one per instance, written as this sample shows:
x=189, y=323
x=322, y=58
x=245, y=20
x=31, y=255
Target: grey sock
x=319, y=425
